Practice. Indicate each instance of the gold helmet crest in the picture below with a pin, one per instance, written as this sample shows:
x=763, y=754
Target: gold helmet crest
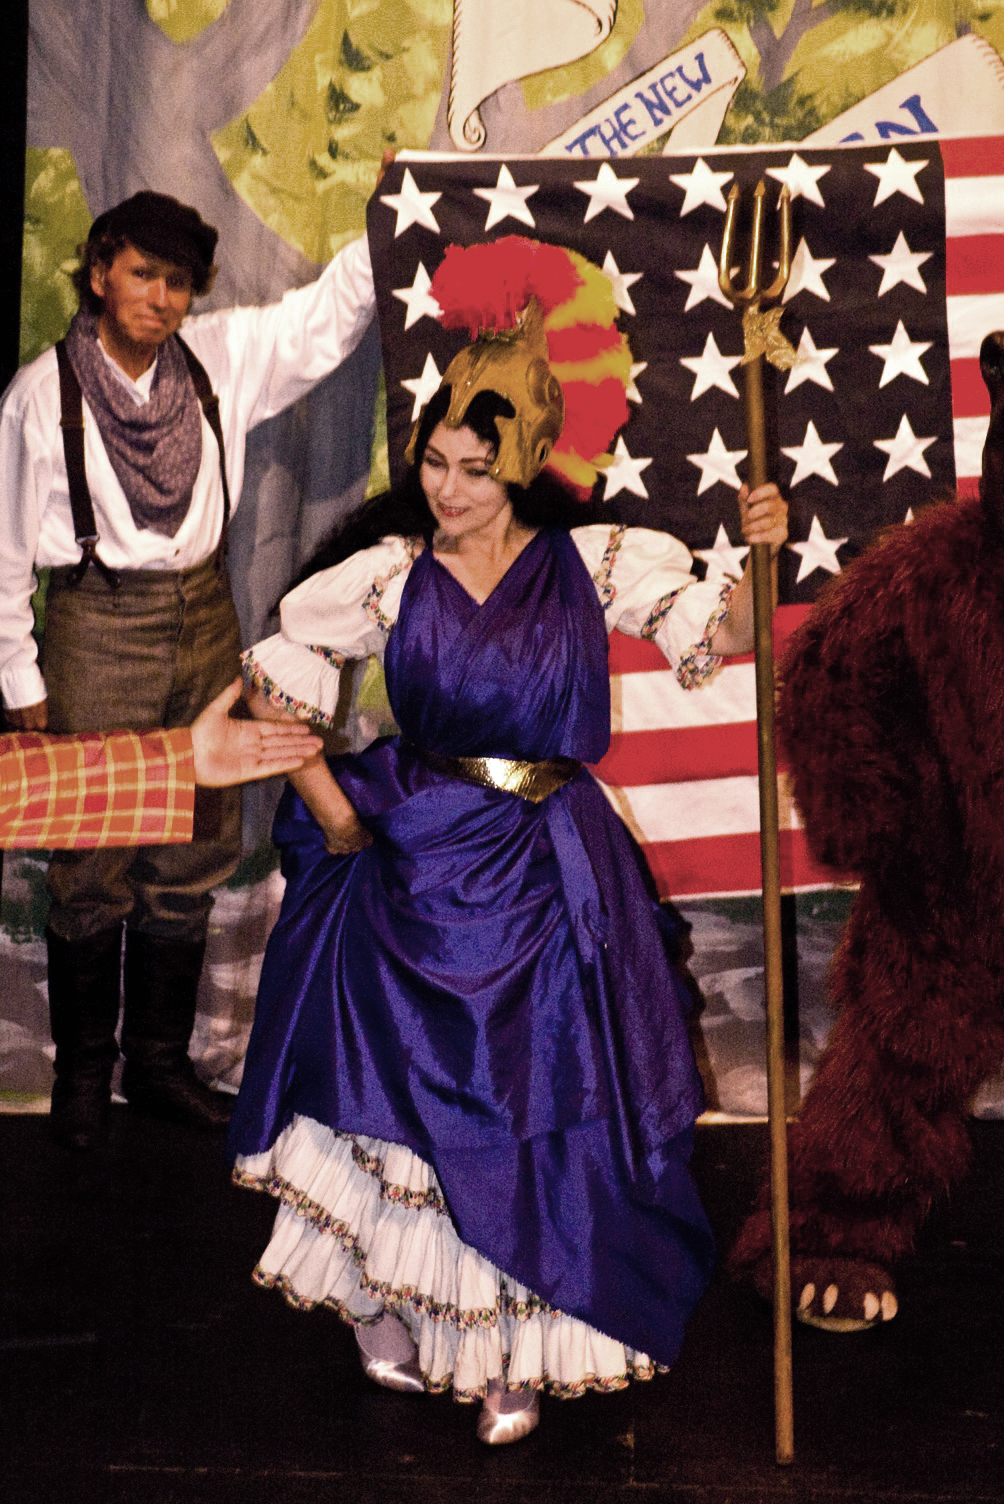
x=512, y=363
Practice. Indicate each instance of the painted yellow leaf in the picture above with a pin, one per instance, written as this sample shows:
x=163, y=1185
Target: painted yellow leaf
x=182, y=20
x=56, y=221
x=367, y=76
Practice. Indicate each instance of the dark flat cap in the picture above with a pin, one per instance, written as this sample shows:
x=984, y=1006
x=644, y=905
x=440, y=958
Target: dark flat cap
x=162, y=226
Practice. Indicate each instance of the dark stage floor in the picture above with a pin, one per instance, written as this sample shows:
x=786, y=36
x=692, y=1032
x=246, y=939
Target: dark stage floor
x=141, y=1366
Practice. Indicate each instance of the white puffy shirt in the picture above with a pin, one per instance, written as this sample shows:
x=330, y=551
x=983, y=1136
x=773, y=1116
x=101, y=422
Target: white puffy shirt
x=642, y=579
x=259, y=360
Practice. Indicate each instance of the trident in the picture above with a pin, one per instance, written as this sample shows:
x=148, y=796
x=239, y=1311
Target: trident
x=762, y=336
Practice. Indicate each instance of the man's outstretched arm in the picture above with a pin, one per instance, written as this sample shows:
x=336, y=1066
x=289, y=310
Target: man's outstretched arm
x=130, y=788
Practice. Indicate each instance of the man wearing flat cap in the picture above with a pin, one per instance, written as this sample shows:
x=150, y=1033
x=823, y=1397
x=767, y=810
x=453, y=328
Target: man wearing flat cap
x=121, y=459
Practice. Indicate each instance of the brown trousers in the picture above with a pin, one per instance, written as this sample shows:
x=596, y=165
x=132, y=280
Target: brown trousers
x=152, y=653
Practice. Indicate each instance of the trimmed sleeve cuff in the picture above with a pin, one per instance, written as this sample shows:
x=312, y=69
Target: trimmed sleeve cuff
x=296, y=678
x=676, y=618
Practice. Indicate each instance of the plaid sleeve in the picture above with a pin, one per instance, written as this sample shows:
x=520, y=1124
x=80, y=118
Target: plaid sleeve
x=116, y=789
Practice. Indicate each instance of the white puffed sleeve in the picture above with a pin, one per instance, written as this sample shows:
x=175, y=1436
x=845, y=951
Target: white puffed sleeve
x=337, y=614
x=646, y=589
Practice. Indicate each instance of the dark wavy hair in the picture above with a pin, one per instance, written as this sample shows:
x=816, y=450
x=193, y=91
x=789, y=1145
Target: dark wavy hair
x=404, y=510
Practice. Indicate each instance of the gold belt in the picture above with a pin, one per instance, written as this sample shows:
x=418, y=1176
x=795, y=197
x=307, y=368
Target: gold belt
x=530, y=780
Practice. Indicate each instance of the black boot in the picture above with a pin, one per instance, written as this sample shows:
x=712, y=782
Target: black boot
x=161, y=987
x=84, y=977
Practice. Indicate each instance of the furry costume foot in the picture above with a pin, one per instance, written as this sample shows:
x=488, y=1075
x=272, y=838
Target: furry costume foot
x=836, y=1294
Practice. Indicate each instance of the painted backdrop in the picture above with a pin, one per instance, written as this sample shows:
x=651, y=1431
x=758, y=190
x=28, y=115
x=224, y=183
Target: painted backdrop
x=272, y=119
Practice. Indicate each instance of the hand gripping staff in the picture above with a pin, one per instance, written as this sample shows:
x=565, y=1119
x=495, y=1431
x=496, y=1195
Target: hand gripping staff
x=763, y=337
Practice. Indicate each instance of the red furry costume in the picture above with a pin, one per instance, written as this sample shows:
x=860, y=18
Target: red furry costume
x=892, y=712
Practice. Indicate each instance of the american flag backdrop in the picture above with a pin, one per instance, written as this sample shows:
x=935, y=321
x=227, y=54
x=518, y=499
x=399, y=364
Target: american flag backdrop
x=896, y=277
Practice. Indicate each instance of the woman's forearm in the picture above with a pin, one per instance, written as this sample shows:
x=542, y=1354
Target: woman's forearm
x=734, y=634
x=763, y=516
x=318, y=788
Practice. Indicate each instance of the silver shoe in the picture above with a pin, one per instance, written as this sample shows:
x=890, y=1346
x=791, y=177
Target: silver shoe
x=496, y=1430
x=405, y=1377
x=402, y=1374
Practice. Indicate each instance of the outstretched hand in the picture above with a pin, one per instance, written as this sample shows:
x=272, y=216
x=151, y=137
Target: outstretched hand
x=763, y=516
x=228, y=751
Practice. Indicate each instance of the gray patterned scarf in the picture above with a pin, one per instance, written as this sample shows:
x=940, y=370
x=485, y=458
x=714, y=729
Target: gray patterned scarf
x=155, y=450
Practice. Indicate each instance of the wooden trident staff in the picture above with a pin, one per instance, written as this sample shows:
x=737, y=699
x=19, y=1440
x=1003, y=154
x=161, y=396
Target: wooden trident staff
x=763, y=337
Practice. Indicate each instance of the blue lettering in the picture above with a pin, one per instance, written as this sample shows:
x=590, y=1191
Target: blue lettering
x=654, y=104
x=916, y=109
x=580, y=141
x=665, y=90
x=705, y=77
x=913, y=106
x=615, y=139
x=854, y=136
x=887, y=128
x=627, y=125
x=671, y=95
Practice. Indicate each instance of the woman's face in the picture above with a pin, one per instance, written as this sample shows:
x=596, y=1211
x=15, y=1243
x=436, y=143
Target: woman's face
x=463, y=497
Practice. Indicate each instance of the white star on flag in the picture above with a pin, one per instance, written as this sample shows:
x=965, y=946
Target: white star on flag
x=818, y=552
x=506, y=201
x=901, y=265
x=624, y=473
x=810, y=364
x=703, y=282
x=905, y=451
x=802, y=180
x=902, y=357
x=896, y=175
x=620, y=282
x=718, y=464
x=631, y=392
x=607, y=191
x=423, y=387
x=722, y=559
x=419, y=301
x=700, y=186
x=413, y=207
x=711, y=369
x=807, y=273
x=812, y=457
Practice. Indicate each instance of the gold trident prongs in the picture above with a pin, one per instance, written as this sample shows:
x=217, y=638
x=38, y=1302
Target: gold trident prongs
x=762, y=336
x=752, y=292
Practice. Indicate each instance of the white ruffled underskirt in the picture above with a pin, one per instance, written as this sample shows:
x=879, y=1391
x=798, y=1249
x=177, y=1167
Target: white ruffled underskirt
x=362, y=1228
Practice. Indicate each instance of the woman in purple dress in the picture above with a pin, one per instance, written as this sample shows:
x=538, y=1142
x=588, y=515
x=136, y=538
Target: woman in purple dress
x=469, y=1082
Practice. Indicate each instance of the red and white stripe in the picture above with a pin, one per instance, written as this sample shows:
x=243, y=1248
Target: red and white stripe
x=682, y=764
x=974, y=284
x=682, y=771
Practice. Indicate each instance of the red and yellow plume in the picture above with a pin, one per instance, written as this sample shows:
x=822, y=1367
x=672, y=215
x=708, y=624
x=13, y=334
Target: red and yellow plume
x=485, y=288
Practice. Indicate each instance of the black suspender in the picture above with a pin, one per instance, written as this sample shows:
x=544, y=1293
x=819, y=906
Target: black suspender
x=71, y=421
x=210, y=404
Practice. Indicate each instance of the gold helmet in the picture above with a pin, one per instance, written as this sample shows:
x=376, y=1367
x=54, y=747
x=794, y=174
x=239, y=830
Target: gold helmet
x=547, y=342
x=512, y=363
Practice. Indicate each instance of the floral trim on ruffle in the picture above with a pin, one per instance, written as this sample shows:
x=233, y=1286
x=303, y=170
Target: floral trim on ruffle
x=407, y=1296
x=699, y=662
x=332, y=658
x=311, y=1211
x=573, y=1390
x=523, y=1310
x=659, y=612
x=401, y=1195
x=255, y=677
x=605, y=588
x=371, y=602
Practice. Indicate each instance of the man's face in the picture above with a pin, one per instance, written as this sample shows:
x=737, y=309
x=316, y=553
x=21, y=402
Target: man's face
x=145, y=300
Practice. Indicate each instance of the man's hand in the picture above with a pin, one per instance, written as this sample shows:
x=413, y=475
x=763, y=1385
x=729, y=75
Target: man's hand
x=27, y=717
x=228, y=751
